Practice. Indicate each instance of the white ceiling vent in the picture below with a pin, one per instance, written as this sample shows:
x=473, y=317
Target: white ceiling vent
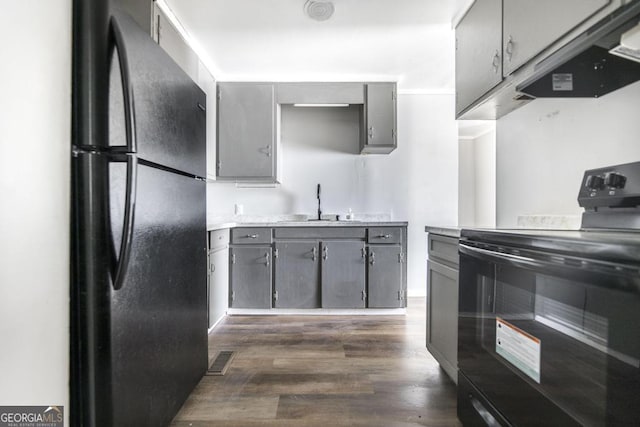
x=318, y=10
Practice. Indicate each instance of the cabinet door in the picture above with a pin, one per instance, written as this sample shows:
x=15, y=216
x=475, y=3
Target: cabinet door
x=251, y=277
x=246, y=131
x=297, y=275
x=531, y=26
x=343, y=274
x=380, y=115
x=172, y=42
x=218, y=284
x=478, y=52
x=140, y=10
x=385, y=276
x=442, y=316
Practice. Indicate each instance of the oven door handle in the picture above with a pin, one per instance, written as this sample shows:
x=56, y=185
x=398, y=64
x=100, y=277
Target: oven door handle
x=560, y=264
x=502, y=257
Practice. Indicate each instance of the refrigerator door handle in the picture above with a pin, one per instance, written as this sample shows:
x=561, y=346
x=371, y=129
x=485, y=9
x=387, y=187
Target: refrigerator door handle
x=129, y=106
x=121, y=264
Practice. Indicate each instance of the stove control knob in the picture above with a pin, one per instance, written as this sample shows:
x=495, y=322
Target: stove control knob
x=614, y=180
x=594, y=182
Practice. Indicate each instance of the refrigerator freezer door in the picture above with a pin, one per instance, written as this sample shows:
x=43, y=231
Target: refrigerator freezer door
x=159, y=315
x=169, y=108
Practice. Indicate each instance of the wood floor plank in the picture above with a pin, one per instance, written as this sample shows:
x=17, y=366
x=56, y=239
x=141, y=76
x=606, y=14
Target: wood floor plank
x=373, y=409
x=303, y=371
x=324, y=383
x=223, y=408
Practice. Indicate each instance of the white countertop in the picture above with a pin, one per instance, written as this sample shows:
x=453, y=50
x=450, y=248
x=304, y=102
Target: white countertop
x=354, y=223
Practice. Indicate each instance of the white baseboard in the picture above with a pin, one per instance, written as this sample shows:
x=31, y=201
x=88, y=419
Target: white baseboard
x=216, y=324
x=316, y=312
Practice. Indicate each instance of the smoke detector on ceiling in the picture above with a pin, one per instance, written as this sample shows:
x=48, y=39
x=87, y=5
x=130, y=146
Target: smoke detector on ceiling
x=318, y=10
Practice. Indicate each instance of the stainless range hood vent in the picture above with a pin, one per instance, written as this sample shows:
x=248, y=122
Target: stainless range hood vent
x=599, y=61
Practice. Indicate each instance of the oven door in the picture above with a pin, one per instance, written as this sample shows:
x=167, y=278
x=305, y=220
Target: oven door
x=546, y=339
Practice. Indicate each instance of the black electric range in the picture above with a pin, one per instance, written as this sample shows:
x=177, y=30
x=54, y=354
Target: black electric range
x=549, y=321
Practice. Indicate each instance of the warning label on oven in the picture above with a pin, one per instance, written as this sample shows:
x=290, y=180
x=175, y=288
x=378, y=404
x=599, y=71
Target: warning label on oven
x=520, y=348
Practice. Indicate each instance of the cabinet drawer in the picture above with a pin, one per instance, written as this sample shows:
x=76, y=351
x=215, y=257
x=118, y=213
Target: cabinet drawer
x=218, y=239
x=320, y=233
x=251, y=236
x=443, y=248
x=380, y=235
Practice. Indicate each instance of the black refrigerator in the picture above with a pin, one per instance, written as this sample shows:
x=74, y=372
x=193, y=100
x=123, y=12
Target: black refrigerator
x=138, y=292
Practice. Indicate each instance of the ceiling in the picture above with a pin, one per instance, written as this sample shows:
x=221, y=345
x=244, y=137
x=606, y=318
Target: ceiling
x=409, y=41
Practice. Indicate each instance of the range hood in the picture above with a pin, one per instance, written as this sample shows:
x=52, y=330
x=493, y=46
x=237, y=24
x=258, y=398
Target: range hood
x=604, y=58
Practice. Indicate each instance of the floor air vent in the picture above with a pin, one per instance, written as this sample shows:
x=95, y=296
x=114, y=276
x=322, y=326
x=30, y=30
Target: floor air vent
x=221, y=363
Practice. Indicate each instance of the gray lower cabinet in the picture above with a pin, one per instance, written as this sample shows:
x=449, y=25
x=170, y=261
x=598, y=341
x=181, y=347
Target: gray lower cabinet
x=218, y=277
x=297, y=274
x=385, y=276
x=250, y=281
x=343, y=274
x=317, y=267
x=246, y=132
x=442, y=302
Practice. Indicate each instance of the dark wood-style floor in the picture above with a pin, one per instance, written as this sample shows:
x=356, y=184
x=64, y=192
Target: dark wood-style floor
x=324, y=371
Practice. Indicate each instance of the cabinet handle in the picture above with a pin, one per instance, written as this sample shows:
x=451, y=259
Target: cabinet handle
x=496, y=62
x=487, y=417
x=372, y=258
x=364, y=252
x=314, y=254
x=266, y=259
x=383, y=236
x=252, y=236
x=325, y=253
x=370, y=132
x=266, y=150
x=509, y=48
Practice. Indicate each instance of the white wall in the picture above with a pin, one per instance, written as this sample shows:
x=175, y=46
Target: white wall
x=417, y=182
x=477, y=180
x=544, y=148
x=35, y=125
x=485, y=180
x=466, y=182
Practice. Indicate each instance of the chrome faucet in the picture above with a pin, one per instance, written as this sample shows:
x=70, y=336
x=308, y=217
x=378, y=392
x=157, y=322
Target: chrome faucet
x=319, y=205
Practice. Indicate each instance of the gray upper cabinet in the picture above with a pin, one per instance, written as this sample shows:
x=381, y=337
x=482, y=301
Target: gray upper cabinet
x=385, y=276
x=379, y=130
x=343, y=274
x=251, y=276
x=297, y=275
x=531, y=26
x=246, y=132
x=320, y=93
x=478, y=52
x=141, y=11
x=172, y=42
